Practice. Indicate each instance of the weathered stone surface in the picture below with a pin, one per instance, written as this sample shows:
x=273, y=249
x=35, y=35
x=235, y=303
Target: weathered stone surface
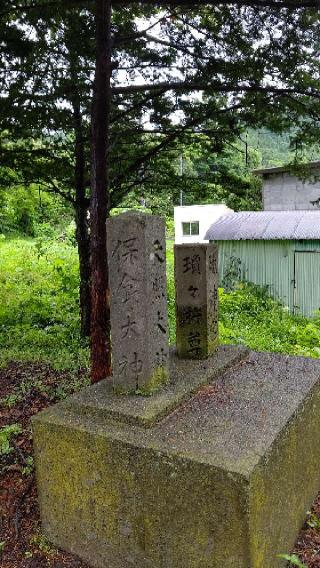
x=196, y=277
x=224, y=481
x=139, y=314
x=101, y=400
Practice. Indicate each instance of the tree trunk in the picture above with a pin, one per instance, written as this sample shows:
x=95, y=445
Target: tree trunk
x=83, y=243
x=100, y=315
x=82, y=225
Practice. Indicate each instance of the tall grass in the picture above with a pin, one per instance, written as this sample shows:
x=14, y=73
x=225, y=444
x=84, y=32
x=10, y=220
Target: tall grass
x=39, y=314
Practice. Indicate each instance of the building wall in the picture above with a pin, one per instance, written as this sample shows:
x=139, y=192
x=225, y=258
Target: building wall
x=284, y=191
x=204, y=214
x=272, y=263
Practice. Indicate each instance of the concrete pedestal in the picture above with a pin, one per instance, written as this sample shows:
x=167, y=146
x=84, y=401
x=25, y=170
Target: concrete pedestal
x=222, y=478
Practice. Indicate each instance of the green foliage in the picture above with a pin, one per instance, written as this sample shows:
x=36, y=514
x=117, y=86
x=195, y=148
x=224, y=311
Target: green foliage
x=133, y=207
x=225, y=177
x=293, y=559
x=39, y=314
x=29, y=211
x=46, y=73
x=314, y=522
x=39, y=541
x=279, y=149
x=171, y=292
x=29, y=466
x=273, y=148
x=22, y=391
x=201, y=176
x=170, y=227
x=249, y=316
x=6, y=434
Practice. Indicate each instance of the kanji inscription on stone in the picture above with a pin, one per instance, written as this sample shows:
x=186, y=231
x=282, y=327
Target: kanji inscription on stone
x=196, y=278
x=138, y=302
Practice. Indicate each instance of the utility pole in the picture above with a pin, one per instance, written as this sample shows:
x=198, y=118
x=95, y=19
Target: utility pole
x=246, y=143
x=181, y=174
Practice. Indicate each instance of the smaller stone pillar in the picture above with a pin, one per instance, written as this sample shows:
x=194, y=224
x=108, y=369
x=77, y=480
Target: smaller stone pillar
x=196, y=278
x=139, y=314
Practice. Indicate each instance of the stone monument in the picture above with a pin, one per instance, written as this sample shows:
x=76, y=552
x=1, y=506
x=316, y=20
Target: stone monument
x=139, y=315
x=215, y=469
x=196, y=278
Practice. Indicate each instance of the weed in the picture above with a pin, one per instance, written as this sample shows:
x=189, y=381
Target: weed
x=11, y=400
x=40, y=542
x=65, y=388
x=314, y=522
x=23, y=390
x=293, y=559
x=6, y=433
x=29, y=467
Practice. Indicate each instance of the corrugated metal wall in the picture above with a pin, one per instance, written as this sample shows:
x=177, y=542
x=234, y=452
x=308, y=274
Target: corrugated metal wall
x=307, y=276
x=272, y=263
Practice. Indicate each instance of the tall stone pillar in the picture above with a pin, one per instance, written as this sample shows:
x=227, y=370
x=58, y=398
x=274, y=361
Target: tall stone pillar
x=139, y=320
x=196, y=278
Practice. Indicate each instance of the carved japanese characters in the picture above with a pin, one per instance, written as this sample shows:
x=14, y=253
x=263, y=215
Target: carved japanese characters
x=196, y=277
x=139, y=320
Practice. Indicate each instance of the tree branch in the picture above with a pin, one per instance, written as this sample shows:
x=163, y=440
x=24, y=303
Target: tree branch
x=53, y=188
x=121, y=39
x=200, y=85
x=163, y=144
x=292, y=4
x=23, y=6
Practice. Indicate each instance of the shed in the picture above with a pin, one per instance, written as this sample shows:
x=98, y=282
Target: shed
x=278, y=249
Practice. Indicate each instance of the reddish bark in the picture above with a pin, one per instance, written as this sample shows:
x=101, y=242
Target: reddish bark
x=100, y=314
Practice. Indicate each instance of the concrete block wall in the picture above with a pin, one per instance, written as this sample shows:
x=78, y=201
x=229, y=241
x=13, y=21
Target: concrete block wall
x=283, y=191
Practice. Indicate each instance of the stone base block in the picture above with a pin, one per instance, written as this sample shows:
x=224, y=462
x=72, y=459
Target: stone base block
x=224, y=480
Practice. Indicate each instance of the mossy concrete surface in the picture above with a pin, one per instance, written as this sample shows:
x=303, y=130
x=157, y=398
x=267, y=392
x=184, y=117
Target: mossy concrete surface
x=184, y=381
x=223, y=481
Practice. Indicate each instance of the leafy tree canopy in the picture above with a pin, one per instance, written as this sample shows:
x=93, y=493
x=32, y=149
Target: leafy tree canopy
x=214, y=68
